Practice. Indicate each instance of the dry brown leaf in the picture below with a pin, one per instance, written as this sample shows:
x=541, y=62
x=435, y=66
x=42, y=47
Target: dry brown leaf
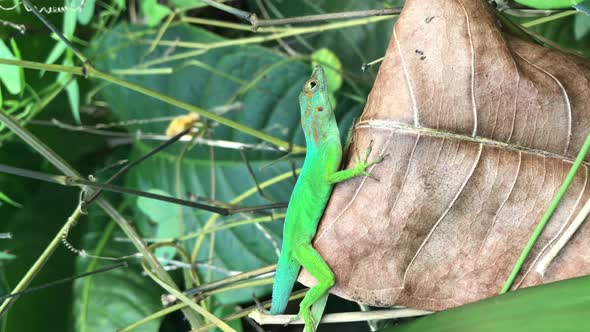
x=481, y=129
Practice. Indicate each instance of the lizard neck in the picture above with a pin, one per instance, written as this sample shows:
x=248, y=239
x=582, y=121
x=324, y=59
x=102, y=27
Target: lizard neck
x=319, y=131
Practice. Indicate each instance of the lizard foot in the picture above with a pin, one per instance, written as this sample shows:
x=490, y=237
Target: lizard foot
x=362, y=165
x=307, y=319
x=294, y=318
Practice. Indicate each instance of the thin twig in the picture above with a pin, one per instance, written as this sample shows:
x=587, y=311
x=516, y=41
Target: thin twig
x=290, y=51
x=219, y=323
x=63, y=281
x=227, y=281
x=366, y=66
x=341, y=317
x=372, y=324
x=78, y=181
x=128, y=137
x=277, y=13
x=244, y=15
x=527, y=13
x=256, y=22
x=547, y=215
x=134, y=163
x=20, y=27
x=228, y=225
x=244, y=312
x=549, y=18
x=172, y=264
x=563, y=240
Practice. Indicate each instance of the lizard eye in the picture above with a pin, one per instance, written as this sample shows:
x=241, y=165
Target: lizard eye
x=312, y=85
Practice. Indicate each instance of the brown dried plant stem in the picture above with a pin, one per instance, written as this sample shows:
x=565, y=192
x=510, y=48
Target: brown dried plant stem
x=256, y=22
x=341, y=317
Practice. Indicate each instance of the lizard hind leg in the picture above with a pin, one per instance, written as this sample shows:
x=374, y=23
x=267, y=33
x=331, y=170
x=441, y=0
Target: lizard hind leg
x=313, y=262
x=287, y=272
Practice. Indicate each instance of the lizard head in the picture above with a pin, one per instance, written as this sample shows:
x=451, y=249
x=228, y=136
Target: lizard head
x=316, y=111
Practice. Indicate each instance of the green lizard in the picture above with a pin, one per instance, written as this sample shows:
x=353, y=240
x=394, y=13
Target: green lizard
x=309, y=198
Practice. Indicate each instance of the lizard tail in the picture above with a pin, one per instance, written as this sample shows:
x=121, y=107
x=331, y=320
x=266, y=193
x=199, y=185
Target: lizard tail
x=287, y=272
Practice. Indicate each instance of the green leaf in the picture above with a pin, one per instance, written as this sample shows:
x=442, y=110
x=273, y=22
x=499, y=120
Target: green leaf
x=17, y=55
x=57, y=50
x=8, y=200
x=165, y=215
x=153, y=11
x=180, y=4
x=69, y=23
x=72, y=89
x=112, y=300
x=6, y=256
x=85, y=15
x=333, y=69
x=10, y=75
x=581, y=25
x=73, y=92
x=559, y=306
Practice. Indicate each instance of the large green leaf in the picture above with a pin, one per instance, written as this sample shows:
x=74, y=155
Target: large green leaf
x=165, y=217
x=560, y=306
x=112, y=300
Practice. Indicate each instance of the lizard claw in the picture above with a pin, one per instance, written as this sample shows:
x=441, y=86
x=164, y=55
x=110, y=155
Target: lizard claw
x=380, y=159
x=371, y=175
x=369, y=150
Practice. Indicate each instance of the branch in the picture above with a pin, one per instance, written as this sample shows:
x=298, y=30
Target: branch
x=342, y=317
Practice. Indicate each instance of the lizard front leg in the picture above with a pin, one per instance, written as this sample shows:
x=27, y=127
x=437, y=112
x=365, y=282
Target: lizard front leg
x=360, y=168
x=313, y=262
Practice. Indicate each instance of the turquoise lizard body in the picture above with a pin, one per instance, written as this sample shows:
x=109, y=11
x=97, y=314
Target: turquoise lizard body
x=310, y=196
